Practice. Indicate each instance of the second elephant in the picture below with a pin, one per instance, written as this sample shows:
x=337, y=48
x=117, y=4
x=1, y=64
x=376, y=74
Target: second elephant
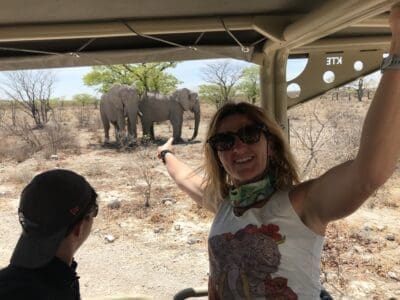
x=158, y=108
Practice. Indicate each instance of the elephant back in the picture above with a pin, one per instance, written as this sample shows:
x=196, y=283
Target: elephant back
x=152, y=100
x=158, y=107
x=115, y=102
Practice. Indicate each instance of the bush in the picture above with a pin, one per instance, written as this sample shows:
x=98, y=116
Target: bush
x=56, y=136
x=26, y=139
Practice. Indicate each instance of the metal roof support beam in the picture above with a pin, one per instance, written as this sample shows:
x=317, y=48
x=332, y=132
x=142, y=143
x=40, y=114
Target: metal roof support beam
x=267, y=82
x=58, y=60
x=274, y=86
x=281, y=58
x=53, y=31
x=329, y=18
x=271, y=27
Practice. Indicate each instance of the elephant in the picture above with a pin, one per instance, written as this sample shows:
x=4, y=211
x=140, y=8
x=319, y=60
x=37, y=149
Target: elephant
x=158, y=108
x=118, y=105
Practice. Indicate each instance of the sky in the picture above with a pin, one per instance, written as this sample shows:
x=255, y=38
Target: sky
x=69, y=81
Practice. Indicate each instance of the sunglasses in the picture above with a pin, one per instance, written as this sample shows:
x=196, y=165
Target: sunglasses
x=93, y=211
x=249, y=134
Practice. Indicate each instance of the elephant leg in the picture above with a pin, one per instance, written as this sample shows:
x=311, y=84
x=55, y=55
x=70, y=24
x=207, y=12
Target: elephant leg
x=147, y=127
x=106, y=126
x=153, y=137
x=131, y=133
x=120, y=137
x=121, y=131
x=177, y=122
x=106, y=132
x=116, y=131
x=132, y=125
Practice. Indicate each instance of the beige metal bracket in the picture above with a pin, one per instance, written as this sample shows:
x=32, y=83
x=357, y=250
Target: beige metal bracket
x=324, y=71
x=342, y=65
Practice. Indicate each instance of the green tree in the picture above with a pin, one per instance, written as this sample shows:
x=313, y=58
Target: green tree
x=249, y=85
x=147, y=77
x=85, y=99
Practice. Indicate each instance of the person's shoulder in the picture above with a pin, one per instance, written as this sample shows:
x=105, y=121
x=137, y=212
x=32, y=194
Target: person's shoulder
x=17, y=283
x=4, y=271
x=19, y=277
x=10, y=272
x=19, y=292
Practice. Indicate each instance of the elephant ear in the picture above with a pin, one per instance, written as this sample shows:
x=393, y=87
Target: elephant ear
x=114, y=94
x=129, y=94
x=129, y=98
x=183, y=97
x=194, y=99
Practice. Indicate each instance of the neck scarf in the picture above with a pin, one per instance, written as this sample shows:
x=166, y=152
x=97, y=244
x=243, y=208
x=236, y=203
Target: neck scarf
x=251, y=193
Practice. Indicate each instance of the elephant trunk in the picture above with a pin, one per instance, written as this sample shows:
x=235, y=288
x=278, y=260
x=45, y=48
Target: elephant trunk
x=196, y=111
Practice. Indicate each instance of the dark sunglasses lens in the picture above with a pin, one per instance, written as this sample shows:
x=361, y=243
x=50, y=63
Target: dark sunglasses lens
x=249, y=134
x=222, y=142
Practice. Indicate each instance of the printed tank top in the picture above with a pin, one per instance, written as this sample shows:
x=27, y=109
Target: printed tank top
x=267, y=253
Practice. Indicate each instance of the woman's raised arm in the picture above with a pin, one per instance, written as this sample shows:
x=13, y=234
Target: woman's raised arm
x=184, y=176
x=341, y=190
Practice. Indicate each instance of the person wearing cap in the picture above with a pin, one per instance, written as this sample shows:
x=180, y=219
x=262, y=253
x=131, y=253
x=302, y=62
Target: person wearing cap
x=56, y=213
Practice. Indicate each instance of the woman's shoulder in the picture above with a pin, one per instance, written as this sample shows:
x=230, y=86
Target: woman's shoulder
x=298, y=194
x=211, y=201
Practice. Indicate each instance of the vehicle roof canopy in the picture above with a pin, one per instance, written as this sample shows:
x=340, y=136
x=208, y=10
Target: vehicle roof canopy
x=49, y=34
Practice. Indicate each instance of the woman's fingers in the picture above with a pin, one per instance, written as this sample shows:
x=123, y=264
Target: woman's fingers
x=166, y=146
x=170, y=140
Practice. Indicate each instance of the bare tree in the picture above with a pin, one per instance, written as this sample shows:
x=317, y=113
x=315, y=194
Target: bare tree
x=145, y=174
x=360, y=88
x=312, y=139
x=222, y=77
x=370, y=84
x=324, y=135
x=335, y=94
x=356, y=86
x=32, y=91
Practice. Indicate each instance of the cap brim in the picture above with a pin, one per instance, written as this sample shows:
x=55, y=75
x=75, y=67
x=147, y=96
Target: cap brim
x=33, y=252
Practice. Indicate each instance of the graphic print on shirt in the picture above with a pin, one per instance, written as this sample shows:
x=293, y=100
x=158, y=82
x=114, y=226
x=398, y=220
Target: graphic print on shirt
x=242, y=263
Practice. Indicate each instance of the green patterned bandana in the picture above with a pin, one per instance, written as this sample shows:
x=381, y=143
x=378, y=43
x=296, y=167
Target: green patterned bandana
x=251, y=193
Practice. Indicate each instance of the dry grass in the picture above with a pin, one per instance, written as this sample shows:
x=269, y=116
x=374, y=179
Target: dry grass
x=14, y=149
x=94, y=170
x=21, y=176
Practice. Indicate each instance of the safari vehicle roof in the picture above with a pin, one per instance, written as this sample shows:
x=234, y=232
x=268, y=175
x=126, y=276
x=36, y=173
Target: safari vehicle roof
x=331, y=34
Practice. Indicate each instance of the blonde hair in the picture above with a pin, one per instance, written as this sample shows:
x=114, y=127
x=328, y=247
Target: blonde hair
x=217, y=182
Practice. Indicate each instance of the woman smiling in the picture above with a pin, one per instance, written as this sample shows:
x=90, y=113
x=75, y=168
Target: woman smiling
x=267, y=235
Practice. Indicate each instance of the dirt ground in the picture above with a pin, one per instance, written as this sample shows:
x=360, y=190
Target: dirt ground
x=158, y=250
